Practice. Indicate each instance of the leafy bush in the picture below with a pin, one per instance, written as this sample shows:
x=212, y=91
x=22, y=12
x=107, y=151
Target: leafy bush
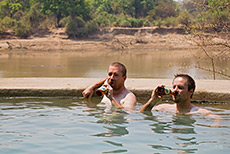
x=92, y=27
x=158, y=23
x=122, y=21
x=79, y=28
x=164, y=10
x=136, y=22
x=170, y=21
x=71, y=28
x=105, y=19
x=7, y=22
x=126, y=21
x=218, y=19
x=80, y=23
x=47, y=23
x=34, y=15
x=22, y=29
x=184, y=19
x=146, y=23
x=64, y=21
x=2, y=31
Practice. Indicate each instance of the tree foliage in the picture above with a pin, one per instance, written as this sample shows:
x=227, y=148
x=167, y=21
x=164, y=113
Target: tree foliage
x=35, y=14
x=210, y=32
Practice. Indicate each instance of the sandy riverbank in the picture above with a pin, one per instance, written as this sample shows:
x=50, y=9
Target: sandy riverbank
x=114, y=39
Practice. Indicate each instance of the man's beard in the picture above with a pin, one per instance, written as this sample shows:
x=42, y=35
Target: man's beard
x=176, y=99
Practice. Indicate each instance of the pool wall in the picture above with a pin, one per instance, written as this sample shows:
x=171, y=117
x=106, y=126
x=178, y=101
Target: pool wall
x=206, y=90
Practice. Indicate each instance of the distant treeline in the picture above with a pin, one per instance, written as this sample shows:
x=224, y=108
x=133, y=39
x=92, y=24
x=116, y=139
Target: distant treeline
x=82, y=17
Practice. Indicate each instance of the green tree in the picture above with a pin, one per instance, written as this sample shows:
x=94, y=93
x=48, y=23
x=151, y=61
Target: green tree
x=61, y=9
x=14, y=16
x=164, y=10
x=10, y=7
x=57, y=8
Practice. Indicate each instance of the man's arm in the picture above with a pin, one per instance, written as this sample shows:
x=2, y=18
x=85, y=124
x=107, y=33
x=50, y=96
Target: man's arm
x=115, y=103
x=88, y=92
x=217, y=118
x=149, y=105
x=151, y=102
x=128, y=103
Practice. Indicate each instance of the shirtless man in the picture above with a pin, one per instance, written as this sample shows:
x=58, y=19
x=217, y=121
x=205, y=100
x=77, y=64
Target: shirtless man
x=183, y=89
x=118, y=95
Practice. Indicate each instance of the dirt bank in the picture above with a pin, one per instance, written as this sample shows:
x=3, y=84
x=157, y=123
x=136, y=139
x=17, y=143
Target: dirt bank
x=114, y=39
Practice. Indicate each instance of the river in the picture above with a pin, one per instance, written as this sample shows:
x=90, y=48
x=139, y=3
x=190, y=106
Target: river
x=157, y=64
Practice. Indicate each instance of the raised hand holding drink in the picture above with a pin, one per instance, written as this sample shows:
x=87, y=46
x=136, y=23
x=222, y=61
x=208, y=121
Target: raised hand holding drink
x=102, y=91
x=164, y=91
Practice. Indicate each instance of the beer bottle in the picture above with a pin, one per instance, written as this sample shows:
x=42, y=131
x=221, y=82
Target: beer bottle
x=102, y=91
x=164, y=91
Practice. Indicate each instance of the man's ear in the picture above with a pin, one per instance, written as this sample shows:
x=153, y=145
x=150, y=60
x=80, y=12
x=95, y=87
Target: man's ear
x=125, y=77
x=191, y=91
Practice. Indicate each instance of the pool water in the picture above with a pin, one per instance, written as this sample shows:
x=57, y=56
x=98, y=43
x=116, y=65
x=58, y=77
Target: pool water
x=75, y=125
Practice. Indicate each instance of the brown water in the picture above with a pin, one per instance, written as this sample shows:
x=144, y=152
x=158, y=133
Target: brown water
x=158, y=64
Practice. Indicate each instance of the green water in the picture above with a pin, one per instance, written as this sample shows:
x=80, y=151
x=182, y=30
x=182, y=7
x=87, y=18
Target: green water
x=74, y=125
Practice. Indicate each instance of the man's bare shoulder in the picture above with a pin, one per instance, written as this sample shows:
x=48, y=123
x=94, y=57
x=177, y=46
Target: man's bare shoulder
x=129, y=100
x=165, y=107
x=130, y=94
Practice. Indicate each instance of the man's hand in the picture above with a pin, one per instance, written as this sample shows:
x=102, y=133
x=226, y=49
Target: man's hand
x=156, y=93
x=110, y=96
x=110, y=90
x=88, y=92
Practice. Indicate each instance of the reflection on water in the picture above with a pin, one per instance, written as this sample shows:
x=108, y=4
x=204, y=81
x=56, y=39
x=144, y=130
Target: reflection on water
x=156, y=64
x=75, y=125
x=160, y=147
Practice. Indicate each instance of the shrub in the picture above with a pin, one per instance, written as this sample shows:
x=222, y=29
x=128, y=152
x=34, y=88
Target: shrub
x=105, y=19
x=146, y=23
x=22, y=29
x=2, y=31
x=34, y=16
x=184, y=19
x=92, y=27
x=48, y=22
x=158, y=23
x=80, y=23
x=71, y=28
x=8, y=23
x=126, y=21
x=64, y=21
x=136, y=22
x=123, y=21
x=170, y=21
x=79, y=28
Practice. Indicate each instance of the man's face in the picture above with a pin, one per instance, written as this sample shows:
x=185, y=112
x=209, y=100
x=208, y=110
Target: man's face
x=115, y=77
x=180, y=87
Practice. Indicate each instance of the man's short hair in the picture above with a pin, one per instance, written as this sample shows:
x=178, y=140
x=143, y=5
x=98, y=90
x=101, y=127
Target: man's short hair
x=123, y=68
x=190, y=81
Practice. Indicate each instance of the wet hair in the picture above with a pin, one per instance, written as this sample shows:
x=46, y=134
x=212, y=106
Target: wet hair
x=190, y=81
x=123, y=68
